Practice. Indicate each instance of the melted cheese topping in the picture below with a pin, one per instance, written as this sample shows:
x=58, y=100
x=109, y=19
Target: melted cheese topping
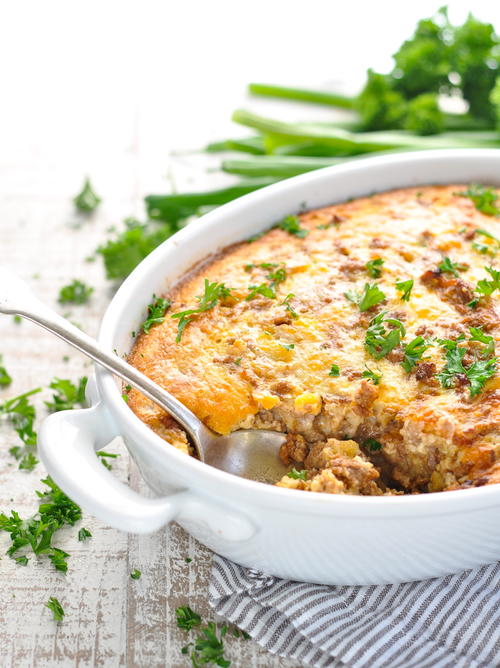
x=251, y=363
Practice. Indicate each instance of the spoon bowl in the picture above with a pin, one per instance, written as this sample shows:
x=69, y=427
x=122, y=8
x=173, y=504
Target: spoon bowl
x=252, y=454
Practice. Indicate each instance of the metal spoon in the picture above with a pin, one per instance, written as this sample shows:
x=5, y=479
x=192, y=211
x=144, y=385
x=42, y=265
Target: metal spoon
x=249, y=453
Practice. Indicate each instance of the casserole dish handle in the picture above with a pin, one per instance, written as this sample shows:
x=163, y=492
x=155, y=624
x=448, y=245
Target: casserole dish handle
x=67, y=445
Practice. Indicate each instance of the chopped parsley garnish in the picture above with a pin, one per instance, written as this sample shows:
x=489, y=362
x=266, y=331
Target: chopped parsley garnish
x=67, y=394
x=104, y=456
x=208, y=647
x=449, y=267
x=21, y=414
x=370, y=296
x=334, y=371
x=135, y=574
x=477, y=334
x=156, y=313
x=77, y=292
x=187, y=618
x=287, y=346
x=36, y=533
x=413, y=352
x=297, y=475
x=5, y=378
x=214, y=292
x=84, y=534
x=405, y=287
x=86, y=200
x=487, y=287
x=371, y=375
x=374, y=267
x=56, y=608
x=262, y=265
x=287, y=305
x=484, y=199
x=485, y=248
x=291, y=224
x=263, y=289
x=379, y=341
x=477, y=373
x=372, y=444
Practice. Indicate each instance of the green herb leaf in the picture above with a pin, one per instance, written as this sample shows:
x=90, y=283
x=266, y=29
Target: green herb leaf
x=413, y=352
x=379, y=341
x=477, y=373
x=447, y=266
x=56, y=608
x=86, y=200
x=135, y=574
x=291, y=224
x=483, y=197
x=209, y=648
x=370, y=296
x=214, y=292
x=263, y=289
x=374, y=267
x=187, y=618
x=334, y=371
x=405, y=287
x=21, y=414
x=67, y=394
x=372, y=444
x=76, y=292
x=84, y=534
x=486, y=287
x=104, y=456
x=371, y=375
x=156, y=313
x=486, y=248
x=477, y=334
x=297, y=475
x=288, y=307
x=287, y=346
x=22, y=561
x=5, y=378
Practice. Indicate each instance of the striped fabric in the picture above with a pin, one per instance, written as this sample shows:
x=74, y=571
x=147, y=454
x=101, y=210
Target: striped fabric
x=449, y=622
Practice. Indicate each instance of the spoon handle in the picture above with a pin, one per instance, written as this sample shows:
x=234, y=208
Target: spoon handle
x=30, y=307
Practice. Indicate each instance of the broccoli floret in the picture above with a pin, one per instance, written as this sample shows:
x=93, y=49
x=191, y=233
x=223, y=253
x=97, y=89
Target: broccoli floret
x=475, y=62
x=424, y=116
x=423, y=62
x=379, y=106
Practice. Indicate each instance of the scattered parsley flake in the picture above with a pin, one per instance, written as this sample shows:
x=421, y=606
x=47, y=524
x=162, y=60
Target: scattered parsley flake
x=370, y=296
x=291, y=224
x=288, y=306
x=56, y=608
x=87, y=200
x=104, y=456
x=447, y=266
x=486, y=248
x=477, y=373
x=405, y=287
x=371, y=375
x=263, y=289
x=187, y=618
x=209, y=647
x=372, y=444
x=156, y=313
x=287, y=346
x=334, y=371
x=77, y=292
x=374, y=267
x=297, y=475
x=67, y=394
x=483, y=197
x=413, y=352
x=214, y=292
x=486, y=287
x=21, y=414
x=84, y=534
x=379, y=341
x=135, y=574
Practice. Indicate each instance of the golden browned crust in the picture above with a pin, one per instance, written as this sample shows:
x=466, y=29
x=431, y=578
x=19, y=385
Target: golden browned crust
x=254, y=363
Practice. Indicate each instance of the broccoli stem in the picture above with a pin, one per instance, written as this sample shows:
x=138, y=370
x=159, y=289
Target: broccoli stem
x=302, y=94
x=173, y=208
x=279, y=167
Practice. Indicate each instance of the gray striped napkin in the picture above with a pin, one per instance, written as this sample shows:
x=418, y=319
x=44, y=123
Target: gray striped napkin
x=449, y=622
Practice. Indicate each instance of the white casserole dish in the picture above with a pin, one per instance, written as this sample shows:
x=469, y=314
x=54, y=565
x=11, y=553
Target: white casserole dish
x=319, y=538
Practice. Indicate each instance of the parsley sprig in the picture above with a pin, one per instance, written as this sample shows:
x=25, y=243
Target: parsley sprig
x=21, y=414
x=486, y=248
x=288, y=306
x=77, y=292
x=487, y=287
x=87, y=200
x=187, y=618
x=478, y=372
x=56, y=608
x=405, y=287
x=297, y=475
x=209, y=646
x=369, y=374
x=413, y=353
x=483, y=197
x=67, y=395
x=291, y=224
x=449, y=267
x=214, y=292
x=370, y=296
x=374, y=267
x=156, y=313
x=5, y=378
x=383, y=335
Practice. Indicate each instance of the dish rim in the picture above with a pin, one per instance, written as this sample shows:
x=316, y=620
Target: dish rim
x=260, y=493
